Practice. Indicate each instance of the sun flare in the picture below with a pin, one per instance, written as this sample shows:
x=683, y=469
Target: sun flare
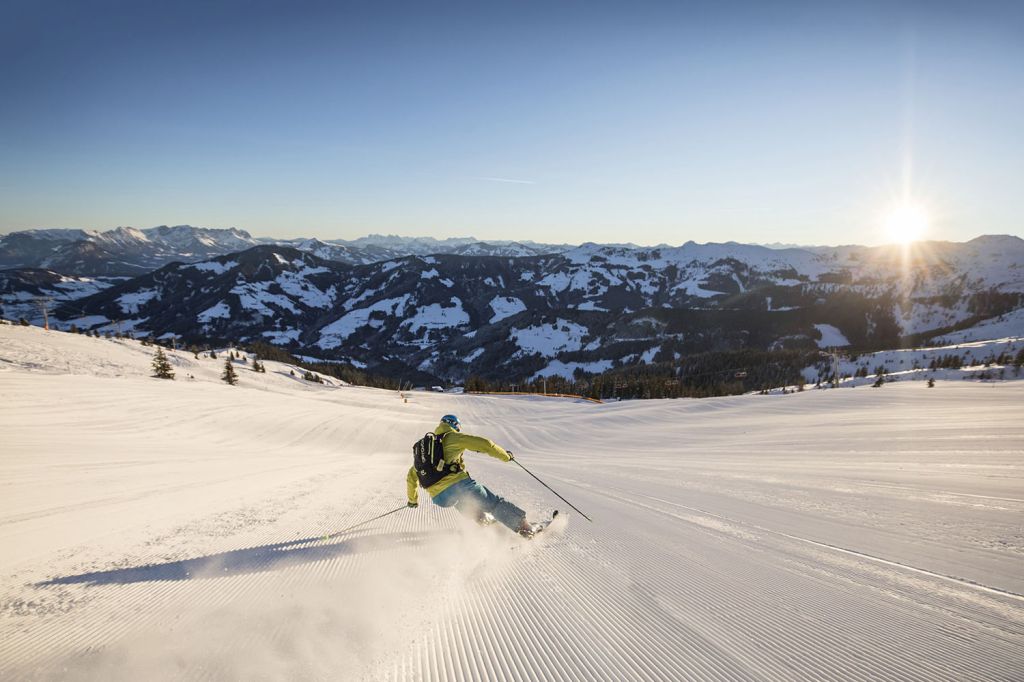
x=906, y=223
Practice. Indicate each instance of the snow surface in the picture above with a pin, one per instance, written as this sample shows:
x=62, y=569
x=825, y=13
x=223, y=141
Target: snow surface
x=282, y=337
x=213, y=266
x=649, y=355
x=255, y=295
x=220, y=311
x=131, y=302
x=296, y=284
x=155, y=529
x=333, y=334
x=831, y=337
x=550, y=339
x=436, y=316
x=505, y=306
x=1010, y=324
x=557, y=368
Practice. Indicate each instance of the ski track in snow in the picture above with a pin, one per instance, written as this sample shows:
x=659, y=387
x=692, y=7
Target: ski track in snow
x=156, y=530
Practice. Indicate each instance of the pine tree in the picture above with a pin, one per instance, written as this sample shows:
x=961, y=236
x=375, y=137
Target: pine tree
x=161, y=366
x=229, y=375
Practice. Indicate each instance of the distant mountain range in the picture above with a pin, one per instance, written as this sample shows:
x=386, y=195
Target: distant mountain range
x=128, y=252
x=505, y=311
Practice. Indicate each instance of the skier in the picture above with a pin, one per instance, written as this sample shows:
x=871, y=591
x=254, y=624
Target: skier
x=457, y=489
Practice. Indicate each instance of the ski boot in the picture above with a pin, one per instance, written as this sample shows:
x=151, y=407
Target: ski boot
x=527, y=529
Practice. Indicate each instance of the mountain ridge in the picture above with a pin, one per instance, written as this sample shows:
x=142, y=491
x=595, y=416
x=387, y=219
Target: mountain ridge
x=586, y=310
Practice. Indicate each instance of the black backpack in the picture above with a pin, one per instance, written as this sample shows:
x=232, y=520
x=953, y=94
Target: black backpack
x=428, y=460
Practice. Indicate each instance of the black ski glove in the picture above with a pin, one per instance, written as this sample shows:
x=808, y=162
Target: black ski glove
x=412, y=505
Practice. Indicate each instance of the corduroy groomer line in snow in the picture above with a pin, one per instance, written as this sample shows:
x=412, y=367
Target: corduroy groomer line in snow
x=187, y=529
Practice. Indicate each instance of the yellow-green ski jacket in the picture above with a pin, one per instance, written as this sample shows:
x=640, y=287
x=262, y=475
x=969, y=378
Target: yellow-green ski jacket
x=455, y=444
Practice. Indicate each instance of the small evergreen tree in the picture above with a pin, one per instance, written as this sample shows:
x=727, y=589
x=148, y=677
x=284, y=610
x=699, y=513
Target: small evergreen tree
x=161, y=366
x=229, y=375
x=931, y=382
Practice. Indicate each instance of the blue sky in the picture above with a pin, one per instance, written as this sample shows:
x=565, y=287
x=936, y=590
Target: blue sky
x=550, y=121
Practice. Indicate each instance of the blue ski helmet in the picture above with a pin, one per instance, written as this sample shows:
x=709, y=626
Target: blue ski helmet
x=452, y=421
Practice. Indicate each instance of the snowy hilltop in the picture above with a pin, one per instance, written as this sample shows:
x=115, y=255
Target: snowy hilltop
x=192, y=529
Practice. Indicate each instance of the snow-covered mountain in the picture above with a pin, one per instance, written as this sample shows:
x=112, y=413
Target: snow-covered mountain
x=590, y=309
x=399, y=246
x=127, y=251
x=123, y=251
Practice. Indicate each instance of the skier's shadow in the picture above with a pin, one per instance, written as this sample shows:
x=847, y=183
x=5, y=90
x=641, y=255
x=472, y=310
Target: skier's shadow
x=259, y=559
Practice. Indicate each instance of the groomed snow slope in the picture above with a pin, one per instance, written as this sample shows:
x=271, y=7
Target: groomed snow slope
x=155, y=530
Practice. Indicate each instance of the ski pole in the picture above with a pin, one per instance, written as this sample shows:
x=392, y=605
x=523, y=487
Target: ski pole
x=549, y=488
x=362, y=523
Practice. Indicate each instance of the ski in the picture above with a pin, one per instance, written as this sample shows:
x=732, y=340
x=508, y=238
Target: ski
x=539, y=527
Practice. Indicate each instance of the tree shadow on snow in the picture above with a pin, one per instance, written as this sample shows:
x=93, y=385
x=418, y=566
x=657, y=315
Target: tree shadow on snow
x=259, y=559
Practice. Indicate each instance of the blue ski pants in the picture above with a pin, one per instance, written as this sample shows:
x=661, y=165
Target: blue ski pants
x=474, y=499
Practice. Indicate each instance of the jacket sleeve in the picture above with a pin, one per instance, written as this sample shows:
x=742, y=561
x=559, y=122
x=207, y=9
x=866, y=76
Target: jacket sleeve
x=464, y=441
x=412, y=485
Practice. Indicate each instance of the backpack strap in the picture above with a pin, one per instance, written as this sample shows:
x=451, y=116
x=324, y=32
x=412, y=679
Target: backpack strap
x=438, y=443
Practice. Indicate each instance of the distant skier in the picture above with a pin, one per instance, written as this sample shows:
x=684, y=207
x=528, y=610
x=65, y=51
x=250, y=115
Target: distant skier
x=438, y=467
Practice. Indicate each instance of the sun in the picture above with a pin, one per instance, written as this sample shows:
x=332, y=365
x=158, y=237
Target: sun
x=906, y=223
